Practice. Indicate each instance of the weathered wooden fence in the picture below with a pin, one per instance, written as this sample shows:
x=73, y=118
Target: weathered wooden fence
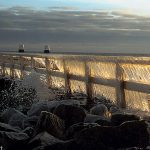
x=124, y=79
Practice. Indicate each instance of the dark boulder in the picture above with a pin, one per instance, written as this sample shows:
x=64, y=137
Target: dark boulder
x=134, y=133
x=70, y=114
x=119, y=118
x=29, y=131
x=37, y=108
x=92, y=118
x=114, y=109
x=128, y=134
x=50, y=123
x=7, y=114
x=12, y=117
x=13, y=140
x=49, y=106
x=147, y=118
x=66, y=145
x=8, y=128
x=76, y=128
x=100, y=110
x=30, y=122
x=103, y=121
x=42, y=140
x=17, y=119
x=133, y=148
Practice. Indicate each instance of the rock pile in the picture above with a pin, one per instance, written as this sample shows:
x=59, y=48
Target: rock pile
x=66, y=125
x=56, y=125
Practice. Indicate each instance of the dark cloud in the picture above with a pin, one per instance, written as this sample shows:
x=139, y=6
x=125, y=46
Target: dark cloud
x=74, y=30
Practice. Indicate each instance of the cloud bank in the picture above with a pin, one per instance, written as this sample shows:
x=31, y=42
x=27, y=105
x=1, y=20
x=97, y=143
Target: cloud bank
x=66, y=29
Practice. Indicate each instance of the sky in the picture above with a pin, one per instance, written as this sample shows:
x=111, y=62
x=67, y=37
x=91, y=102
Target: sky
x=89, y=26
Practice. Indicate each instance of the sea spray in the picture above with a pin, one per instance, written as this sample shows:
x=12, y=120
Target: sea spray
x=23, y=93
x=38, y=82
x=16, y=96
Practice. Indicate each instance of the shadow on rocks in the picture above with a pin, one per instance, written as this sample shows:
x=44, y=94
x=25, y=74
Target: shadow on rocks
x=119, y=118
x=128, y=134
x=70, y=114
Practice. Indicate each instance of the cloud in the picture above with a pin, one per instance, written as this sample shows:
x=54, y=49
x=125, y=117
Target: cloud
x=97, y=31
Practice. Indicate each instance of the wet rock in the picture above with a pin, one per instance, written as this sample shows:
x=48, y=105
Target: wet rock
x=65, y=145
x=49, y=106
x=91, y=118
x=103, y=121
x=132, y=148
x=7, y=114
x=50, y=123
x=100, y=110
x=129, y=134
x=16, y=119
x=109, y=105
x=30, y=122
x=29, y=131
x=114, y=109
x=76, y=128
x=134, y=133
x=8, y=128
x=117, y=119
x=43, y=139
x=65, y=102
x=70, y=114
x=147, y=118
x=88, y=139
x=12, y=117
x=37, y=108
x=13, y=140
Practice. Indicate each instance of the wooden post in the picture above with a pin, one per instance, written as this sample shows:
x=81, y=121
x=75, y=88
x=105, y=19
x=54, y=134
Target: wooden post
x=88, y=84
x=21, y=66
x=67, y=80
x=32, y=63
x=49, y=79
x=12, y=67
x=120, y=94
x=3, y=66
x=148, y=99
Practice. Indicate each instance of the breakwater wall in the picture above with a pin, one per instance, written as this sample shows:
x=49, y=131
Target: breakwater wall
x=125, y=80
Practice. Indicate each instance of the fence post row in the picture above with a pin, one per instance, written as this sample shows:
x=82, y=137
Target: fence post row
x=121, y=83
x=120, y=93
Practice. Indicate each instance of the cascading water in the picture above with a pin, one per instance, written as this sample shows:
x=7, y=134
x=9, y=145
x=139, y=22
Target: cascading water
x=38, y=82
x=102, y=68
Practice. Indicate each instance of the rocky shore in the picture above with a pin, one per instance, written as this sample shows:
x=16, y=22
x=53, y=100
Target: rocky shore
x=65, y=124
